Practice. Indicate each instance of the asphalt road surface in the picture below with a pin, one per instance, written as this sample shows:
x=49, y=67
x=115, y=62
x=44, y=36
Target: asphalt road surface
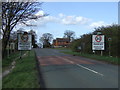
x=66, y=71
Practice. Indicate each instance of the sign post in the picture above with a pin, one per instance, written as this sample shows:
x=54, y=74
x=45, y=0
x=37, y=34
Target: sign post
x=24, y=42
x=98, y=43
x=79, y=48
x=109, y=42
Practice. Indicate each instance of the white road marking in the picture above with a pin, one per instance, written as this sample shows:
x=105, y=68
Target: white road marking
x=90, y=69
x=81, y=66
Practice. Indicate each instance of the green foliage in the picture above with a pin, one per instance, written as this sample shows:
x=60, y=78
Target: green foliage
x=46, y=39
x=85, y=41
x=107, y=59
x=8, y=60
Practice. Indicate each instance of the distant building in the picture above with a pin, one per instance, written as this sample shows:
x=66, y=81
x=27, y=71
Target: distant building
x=61, y=42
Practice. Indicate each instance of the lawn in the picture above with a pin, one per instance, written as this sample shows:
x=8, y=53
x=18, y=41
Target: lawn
x=24, y=75
x=108, y=59
x=8, y=60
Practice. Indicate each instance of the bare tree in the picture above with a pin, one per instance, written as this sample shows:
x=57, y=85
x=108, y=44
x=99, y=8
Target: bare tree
x=69, y=34
x=46, y=39
x=14, y=13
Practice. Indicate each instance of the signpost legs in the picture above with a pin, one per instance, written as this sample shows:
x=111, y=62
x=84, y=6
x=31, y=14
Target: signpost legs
x=94, y=52
x=101, y=53
x=20, y=54
x=109, y=49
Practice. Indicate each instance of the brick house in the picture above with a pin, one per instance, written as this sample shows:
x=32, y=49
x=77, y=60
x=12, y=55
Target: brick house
x=61, y=42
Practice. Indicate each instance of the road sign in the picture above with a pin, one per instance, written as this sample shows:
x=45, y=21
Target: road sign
x=98, y=38
x=24, y=41
x=98, y=42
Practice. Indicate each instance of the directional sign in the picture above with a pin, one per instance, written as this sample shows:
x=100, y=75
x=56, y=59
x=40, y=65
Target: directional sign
x=98, y=42
x=24, y=41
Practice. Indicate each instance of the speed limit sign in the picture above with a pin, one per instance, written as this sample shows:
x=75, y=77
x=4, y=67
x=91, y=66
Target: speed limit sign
x=24, y=41
x=98, y=42
x=24, y=37
x=98, y=38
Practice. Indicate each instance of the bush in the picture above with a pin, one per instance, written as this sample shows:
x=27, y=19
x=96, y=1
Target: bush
x=85, y=41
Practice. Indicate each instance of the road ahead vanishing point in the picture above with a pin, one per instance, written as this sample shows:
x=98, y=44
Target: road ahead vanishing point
x=66, y=71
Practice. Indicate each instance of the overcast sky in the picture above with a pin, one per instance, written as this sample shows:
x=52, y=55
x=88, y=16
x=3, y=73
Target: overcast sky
x=80, y=17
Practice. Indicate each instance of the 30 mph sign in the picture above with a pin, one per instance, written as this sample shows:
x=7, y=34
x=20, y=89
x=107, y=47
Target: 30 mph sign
x=24, y=41
x=98, y=42
x=98, y=38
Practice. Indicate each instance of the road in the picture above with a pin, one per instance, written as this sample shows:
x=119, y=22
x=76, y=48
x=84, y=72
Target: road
x=66, y=71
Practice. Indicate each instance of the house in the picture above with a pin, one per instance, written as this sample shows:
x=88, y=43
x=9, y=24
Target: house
x=61, y=42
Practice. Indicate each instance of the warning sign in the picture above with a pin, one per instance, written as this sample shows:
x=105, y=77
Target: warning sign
x=98, y=42
x=24, y=41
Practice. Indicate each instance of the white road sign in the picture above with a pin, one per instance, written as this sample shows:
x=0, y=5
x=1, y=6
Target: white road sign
x=24, y=41
x=98, y=42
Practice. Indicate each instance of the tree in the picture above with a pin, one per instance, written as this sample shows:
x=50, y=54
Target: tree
x=46, y=39
x=69, y=34
x=34, y=36
x=111, y=31
x=14, y=13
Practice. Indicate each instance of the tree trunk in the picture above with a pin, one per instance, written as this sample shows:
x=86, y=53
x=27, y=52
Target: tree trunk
x=5, y=41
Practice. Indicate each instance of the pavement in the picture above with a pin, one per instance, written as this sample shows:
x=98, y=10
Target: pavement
x=66, y=71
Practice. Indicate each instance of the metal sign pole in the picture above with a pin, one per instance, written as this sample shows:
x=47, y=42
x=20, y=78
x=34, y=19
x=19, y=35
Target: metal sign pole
x=109, y=41
x=101, y=53
x=94, y=52
x=20, y=54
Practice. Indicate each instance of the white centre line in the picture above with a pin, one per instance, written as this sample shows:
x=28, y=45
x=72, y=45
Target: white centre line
x=90, y=70
x=81, y=66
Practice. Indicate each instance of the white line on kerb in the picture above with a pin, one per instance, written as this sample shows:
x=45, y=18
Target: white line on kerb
x=81, y=66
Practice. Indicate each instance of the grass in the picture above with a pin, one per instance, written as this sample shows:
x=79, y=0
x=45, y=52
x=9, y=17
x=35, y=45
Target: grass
x=62, y=48
x=108, y=59
x=24, y=75
x=8, y=60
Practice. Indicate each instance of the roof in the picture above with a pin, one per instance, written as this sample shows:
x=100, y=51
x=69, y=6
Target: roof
x=62, y=39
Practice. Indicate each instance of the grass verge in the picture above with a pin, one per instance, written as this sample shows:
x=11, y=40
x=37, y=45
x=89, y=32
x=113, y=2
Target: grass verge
x=61, y=48
x=108, y=59
x=24, y=75
x=8, y=60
